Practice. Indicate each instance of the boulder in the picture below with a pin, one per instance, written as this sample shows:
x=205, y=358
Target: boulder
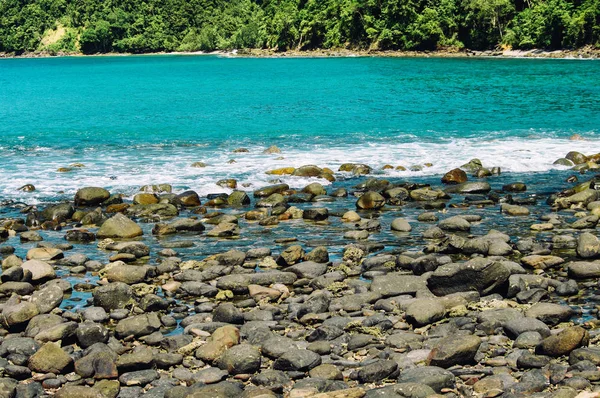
x=241, y=359
x=564, y=342
x=455, y=176
x=138, y=325
x=370, y=200
x=401, y=225
x=40, y=271
x=91, y=196
x=119, y=226
x=454, y=350
x=50, y=358
x=479, y=274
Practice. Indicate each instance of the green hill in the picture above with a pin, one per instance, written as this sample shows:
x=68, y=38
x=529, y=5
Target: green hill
x=140, y=26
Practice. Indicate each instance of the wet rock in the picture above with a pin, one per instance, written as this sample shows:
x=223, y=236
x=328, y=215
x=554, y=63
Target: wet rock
x=394, y=284
x=224, y=230
x=308, y=269
x=290, y=256
x=432, y=376
x=564, y=342
x=454, y=350
x=315, y=214
x=242, y=358
x=62, y=211
x=139, y=325
x=588, y=246
x=370, y=201
x=112, y=296
x=128, y=274
x=584, y=269
x=139, y=377
x=515, y=327
x=455, y=223
x=119, y=226
x=228, y=313
x=91, y=196
x=482, y=275
x=541, y=262
x=377, y=371
x=188, y=199
x=297, y=360
x=17, y=312
x=469, y=188
x=514, y=210
x=455, y=176
x=549, y=313
x=74, y=391
x=424, y=311
x=400, y=225
x=44, y=254
x=50, y=358
x=40, y=271
x=89, y=333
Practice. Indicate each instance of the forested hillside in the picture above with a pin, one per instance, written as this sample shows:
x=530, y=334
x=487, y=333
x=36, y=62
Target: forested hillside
x=138, y=26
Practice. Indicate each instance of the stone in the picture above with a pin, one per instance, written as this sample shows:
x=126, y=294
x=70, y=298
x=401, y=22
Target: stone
x=455, y=223
x=400, y=225
x=370, y=201
x=424, y=311
x=290, y=256
x=432, y=376
x=480, y=187
x=91, y=196
x=138, y=325
x=74, y=391
x=455, y=176
x=549, y=313
x=129, y=274
x=454, y=350
x=50, y=358
x=188, y=199
x=138, y=377
x=119, y=226
x=515, y=327
x=18, y=312
x=588, y=246
x=40, y=271
x=479, y=274
x=241, y=359
x=514, y=210
x=564, y=342
x=297, y=360
x=377, y=371
x=395, y=284
x=44, y=254
x=584, y=269
x=224, y=230
x=308, y=269
x=48, y=298
x=541, y=261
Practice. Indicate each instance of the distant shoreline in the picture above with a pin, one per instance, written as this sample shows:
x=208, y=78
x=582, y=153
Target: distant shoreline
x=581, y=53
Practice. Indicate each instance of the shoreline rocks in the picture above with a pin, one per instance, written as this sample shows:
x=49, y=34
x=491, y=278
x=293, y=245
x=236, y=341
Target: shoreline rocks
x=371, y=287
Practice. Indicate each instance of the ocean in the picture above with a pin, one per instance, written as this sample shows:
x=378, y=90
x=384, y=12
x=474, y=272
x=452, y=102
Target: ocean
x=135, y=120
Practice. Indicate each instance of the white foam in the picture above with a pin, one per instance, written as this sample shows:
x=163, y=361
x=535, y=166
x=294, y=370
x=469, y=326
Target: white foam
x=125, y=170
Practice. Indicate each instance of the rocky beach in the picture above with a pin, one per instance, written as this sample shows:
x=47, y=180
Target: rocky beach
x=337, y=283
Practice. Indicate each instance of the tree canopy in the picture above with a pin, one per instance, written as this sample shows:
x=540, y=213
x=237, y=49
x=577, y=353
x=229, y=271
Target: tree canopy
x=139, y=26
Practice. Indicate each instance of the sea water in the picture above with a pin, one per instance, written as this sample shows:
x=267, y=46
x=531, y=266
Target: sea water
x=136, y=120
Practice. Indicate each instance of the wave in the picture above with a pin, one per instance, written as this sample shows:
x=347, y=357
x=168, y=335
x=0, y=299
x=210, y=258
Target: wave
x=125, y=169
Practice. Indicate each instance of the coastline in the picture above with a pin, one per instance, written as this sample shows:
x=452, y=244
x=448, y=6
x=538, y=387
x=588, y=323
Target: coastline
x=587, y=52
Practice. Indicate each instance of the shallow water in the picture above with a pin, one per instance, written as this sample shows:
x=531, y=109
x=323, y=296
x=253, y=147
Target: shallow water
x=144, y=120
x=139, y=120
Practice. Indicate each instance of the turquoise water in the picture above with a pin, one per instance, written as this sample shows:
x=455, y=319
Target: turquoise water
x=138, y=120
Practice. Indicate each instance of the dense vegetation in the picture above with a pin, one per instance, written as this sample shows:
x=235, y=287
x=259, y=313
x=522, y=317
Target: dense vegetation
x=137, y=26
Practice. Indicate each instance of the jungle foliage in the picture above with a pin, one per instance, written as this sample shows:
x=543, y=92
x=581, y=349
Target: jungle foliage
x=139, y=26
